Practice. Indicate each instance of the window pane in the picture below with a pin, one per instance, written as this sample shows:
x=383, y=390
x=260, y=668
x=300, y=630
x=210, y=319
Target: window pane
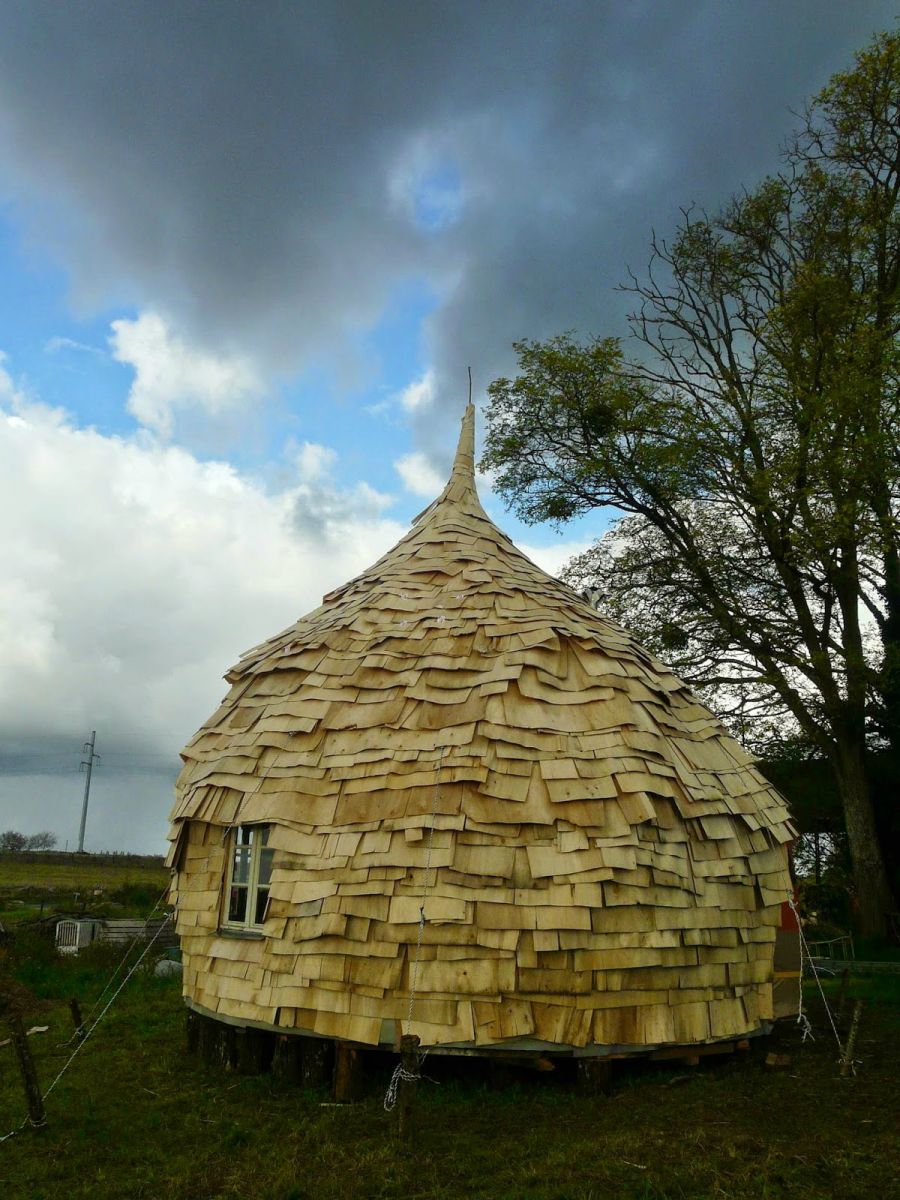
x=244, y=835
x=241, y=869
x=237, y=904
x=262, y=899
x=265, y=865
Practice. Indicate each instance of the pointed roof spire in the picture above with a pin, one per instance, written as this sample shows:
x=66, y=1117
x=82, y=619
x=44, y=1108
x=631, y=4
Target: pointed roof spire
x=460, y=489
x=463, y=473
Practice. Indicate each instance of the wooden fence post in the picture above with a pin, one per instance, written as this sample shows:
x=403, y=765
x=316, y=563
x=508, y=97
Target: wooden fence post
x=78, y=1020
x=406, y=1086
x=847, y=1057
x=36, y=1114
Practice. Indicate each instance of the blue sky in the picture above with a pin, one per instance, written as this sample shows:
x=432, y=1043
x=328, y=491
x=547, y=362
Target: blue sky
x=246, y=256
x=63, y=353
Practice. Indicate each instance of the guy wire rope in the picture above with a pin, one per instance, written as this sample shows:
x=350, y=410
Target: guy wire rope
x=88, y=1031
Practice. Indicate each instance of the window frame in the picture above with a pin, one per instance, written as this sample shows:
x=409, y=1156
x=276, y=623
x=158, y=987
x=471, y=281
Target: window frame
x=257, y=849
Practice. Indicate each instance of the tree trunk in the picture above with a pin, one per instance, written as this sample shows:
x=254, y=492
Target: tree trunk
x=872, y=890
x=890, y=638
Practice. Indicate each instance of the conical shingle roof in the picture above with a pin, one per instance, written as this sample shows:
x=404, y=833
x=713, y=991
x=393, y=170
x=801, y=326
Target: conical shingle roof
x=599, y=863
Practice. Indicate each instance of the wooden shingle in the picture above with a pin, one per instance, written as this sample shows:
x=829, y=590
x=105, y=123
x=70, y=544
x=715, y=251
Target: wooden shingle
x=454, y=730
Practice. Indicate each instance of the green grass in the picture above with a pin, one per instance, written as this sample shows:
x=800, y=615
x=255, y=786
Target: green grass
x=77, y=877
x=872, y=989
x=876, y=951
x=31, y=888
x=135, y=1119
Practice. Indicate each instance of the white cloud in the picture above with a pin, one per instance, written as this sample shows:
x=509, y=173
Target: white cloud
x=419, y=394
x=57, y=345
x=169, y=374
x=9, y=393
x=552, y=559
x=134, y=574
x=314, y=461
x=418, y=475
x=424, y=183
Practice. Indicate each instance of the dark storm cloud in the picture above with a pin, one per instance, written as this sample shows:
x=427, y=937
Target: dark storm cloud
x=41, y=787
x=242, y=166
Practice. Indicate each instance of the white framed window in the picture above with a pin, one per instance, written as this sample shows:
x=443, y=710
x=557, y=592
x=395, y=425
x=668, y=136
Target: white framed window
x=249, y=872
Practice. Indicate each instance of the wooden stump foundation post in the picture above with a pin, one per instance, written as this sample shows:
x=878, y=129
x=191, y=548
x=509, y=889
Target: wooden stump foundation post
x=347, y=1073
x=215, y=1042
x=193, y=1031
x=847, y=1067
x=594, y=1075
x=205, y=1036
x=406, y=1087
x=252, y=1051
x=222, y=1047
x=37, y=1117
x=316, y=1062
x=287, y=1059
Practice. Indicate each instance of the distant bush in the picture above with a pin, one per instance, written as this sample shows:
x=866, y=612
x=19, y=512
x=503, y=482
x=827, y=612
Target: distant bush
x=45, y=840
x=14, y=842
x=138, y=898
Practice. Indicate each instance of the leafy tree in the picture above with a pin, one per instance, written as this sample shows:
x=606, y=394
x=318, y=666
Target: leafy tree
x=45, y=840
x=12, y=841
x=751, y=444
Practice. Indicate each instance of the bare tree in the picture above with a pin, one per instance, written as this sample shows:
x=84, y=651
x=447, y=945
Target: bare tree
x=45, y=840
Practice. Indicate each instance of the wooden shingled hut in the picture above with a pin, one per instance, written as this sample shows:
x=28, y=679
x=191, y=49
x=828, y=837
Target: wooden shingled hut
x=456, y=782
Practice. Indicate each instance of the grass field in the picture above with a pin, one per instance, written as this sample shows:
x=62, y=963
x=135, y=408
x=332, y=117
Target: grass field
x=105, y=886
x=68, y=874
x=134, y=1117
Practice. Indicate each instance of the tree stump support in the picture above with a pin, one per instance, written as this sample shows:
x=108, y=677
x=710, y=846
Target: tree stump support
x=252, y=1051
x=316, y=1062
x=37, y=1117
x=347, y=1073
x=193, y=1030
x=214, y=1040
x=287, y=1059
x=594, y=1075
